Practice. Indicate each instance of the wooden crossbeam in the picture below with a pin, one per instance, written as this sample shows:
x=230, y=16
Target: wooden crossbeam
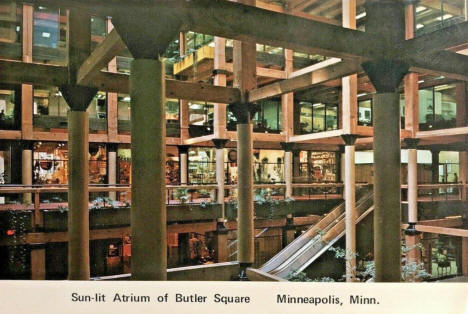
x=305, y=80
x=247, y=23
x=448, y=37
x=299, y=5
x=100, y=57
x=442, y=230
x=14, y=72
x=233, y=20
x=446, y=63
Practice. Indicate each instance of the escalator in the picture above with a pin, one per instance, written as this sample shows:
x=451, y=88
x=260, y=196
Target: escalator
x=305, y=249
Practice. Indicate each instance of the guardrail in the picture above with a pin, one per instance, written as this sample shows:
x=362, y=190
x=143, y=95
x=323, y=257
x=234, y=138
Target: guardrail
x=439, y=192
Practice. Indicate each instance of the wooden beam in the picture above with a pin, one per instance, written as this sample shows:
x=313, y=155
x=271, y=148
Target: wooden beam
x=315, y=67
x=299, y=5
x=233, y=20
x=445, y=38
x=442, y=230
x=305, y=80
x=314, y=136
x=100, y=57
x=261, y=71
x=442, y=132
x=446, y=63
x=15, y=72
x=448, y=222
x=247, y=23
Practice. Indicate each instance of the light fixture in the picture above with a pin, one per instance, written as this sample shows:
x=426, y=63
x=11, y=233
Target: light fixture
x=420, y=8
x=360, y=16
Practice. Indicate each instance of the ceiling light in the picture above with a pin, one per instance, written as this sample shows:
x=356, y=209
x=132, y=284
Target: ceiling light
x=420, y=8
x=360, y=16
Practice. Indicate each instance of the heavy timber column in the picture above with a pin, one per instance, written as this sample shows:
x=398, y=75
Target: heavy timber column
x=149, y=258
x=148, y=131
x=350, y=206
x=112, y=168
x=244, y=68
x=386, y=19
x=78, y=98
x=183, y=165
x=26, y=169
x=220, y=175
x=411, y=235
x=245, y=213
x=288, y=165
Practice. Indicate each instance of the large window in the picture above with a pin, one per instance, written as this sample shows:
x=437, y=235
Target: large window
x=10, y=100
x=315, y=167
x=266, y=120
x=98, y=31
x=50, y=35
x=431, y=15
x=365, y=112
x=437, y=107
x=315, y=117
x=51, y=163
x=10, y=30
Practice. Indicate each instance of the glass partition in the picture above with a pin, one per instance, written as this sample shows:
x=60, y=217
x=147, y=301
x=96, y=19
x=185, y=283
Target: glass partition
x=365, y=112
x=50, y=35
x=10, y=30
x=431, y=15
x=10, y=108
x=437, y=107
x=315, y=117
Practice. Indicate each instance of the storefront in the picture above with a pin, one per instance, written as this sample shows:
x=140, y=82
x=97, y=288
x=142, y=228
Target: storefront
x=315, y=167
x=50, y=164
x=125, y=165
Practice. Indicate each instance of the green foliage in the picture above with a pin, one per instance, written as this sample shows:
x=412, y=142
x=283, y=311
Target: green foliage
x=299, y=277
x=101, y=202
x=341, y=253
x=263, y=196
x=182, y=195
x=302, y=277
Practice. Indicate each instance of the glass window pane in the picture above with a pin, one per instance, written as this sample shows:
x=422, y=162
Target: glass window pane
x=10, y=109
x=10, y=30
x=49, y=36
x=305, y=118
x=332, y=118
x=365, y=112
x=318, y=117
x=445, y=106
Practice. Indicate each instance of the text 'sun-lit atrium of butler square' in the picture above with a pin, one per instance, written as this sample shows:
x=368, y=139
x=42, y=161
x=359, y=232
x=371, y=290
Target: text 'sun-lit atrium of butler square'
x=301, y=140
